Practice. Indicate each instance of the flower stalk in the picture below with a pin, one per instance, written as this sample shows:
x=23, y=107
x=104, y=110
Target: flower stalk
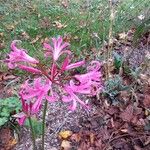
x=32, y=133
x=110, y=42
x=43, y=124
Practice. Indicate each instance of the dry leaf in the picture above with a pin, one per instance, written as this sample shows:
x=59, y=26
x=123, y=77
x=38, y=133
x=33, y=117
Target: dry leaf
x=66, y=145
x=12, y=143
x=2, y=45
x=65, y=134
x=1, y=34
x=45, y=23
x=92, y=138
x=36, y=39
x=76, y=37
x=65, y=3
x=76, y=137
x=122, y=36
x=127, y=115
x=146, y=101
x=5, y=76
x=25, y=35
x=59, y=25
x=67, y=38
x=7, y=141
x=99, y=143
x=10, y=27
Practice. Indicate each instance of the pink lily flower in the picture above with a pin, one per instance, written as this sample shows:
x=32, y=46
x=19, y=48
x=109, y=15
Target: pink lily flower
x=89, y=83
x=27, y=111
x=37, y=92
x=72, y=97
x=18, y=55
x=92, y=78
x=58, y=48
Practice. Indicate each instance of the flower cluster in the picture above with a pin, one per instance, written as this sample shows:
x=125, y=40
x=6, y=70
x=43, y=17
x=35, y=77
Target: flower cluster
x=43, y=88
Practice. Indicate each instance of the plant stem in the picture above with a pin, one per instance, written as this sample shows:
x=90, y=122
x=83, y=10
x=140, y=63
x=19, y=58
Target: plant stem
x=110, y=43
x=32, y=133
x=43, y=124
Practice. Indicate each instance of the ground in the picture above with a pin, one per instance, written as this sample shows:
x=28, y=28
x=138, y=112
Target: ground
x=119, y=118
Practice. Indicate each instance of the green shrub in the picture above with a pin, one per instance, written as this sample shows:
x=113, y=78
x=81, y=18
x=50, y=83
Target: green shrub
x=8, y=107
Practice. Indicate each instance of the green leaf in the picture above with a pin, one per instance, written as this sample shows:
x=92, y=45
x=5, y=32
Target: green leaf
x=5, y=112
x=7, y=107
x=3, y=120
x=117, y=60
x=37, y=126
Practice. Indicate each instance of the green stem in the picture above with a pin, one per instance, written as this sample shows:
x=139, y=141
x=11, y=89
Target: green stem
x=43, y=124
x=32, y=133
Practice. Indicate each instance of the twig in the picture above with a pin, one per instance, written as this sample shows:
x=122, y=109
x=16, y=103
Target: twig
x=12, y=81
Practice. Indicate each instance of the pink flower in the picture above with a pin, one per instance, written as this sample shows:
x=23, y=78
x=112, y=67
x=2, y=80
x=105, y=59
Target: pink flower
x=58, y=48
x=72, y=97
x=21, y=117
x=89, y=83
x=27, y=111
x=92, y=78
x=18, y=55
x=36, y=92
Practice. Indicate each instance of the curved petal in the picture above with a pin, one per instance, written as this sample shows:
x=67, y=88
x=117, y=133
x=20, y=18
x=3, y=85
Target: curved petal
x=13, y=45
x=37, y=105
x=65, y=45
x=65, y=63
x=21, y=117
x=66, y=99
x=80, y=101
x=75, y=65
x=29, y=69
x=59, y=42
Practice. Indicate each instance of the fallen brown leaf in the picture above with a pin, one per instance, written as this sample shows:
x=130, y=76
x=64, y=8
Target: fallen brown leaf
x=146, y=100
x=59, y=25
x=127, y=114
x=36, y=39
x=92, y=138
x=122, y=36
x=65, y=134
x=1, y=34
x=25, y=35
x=5, y=76
x=76, y=137
x=10, y=27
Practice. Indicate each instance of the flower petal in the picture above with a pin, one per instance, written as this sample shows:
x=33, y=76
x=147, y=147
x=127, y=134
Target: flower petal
x=75, y=65
x=29, y=69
